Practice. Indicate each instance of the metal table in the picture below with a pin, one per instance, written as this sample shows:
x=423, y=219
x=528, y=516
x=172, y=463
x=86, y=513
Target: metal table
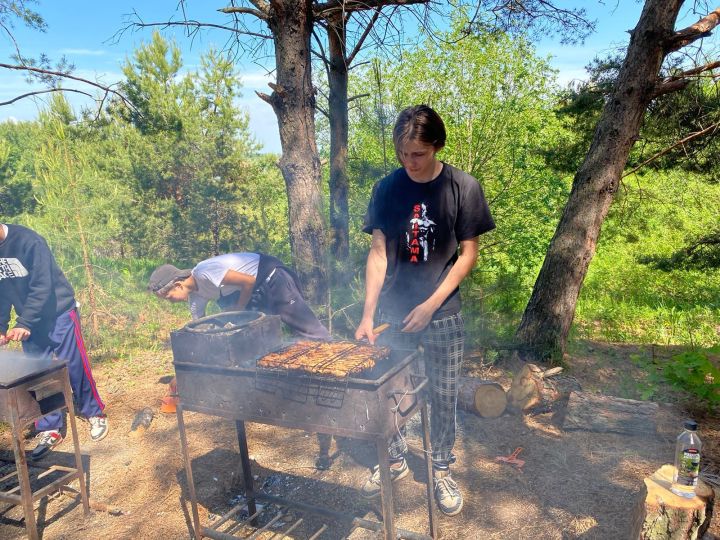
x=369, y=410
x=30, y=388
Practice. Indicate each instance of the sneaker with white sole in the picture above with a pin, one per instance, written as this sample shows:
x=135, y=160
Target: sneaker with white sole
x=98, y=427
x=47, y=440
x=447, y=494
x=372, y=486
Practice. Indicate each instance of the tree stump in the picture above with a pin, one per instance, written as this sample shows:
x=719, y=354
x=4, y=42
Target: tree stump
x=662, y=515
x=485, y=398
x=536, y=389
x=604, y=414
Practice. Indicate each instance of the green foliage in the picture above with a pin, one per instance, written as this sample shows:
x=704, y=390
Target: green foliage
x=701, y=253
x=694, y=373
x=625, y=300
x=17, y=143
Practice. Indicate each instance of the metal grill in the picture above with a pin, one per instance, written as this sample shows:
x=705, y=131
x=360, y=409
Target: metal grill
x=370, y=408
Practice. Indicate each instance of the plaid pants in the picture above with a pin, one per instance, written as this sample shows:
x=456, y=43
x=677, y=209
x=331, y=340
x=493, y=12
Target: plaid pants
x=443, y=341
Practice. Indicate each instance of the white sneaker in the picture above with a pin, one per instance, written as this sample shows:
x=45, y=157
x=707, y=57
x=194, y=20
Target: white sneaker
x=47, y=440
x=98, y=427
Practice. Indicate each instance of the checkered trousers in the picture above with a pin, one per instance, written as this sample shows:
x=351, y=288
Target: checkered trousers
x=443, y=341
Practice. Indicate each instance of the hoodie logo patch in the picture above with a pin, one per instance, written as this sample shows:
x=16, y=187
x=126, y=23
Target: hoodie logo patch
x=10, y=267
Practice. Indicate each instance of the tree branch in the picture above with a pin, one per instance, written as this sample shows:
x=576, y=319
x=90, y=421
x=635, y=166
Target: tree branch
x=38, y=92
x=669, y=86
x=363, y=37
x=198, y=25
x=322, y=11
x=695, y=71
x=62, y=75
x=692, y=136
x=266, y=98
x=679, y=81
x=259, y=13
x=700, y=29
x=358, y=96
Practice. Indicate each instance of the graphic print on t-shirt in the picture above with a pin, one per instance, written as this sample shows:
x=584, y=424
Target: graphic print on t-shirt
x=10, y=267
x=420, y=239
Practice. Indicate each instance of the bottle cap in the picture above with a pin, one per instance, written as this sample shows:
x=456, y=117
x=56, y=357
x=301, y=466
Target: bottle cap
x=690, y=425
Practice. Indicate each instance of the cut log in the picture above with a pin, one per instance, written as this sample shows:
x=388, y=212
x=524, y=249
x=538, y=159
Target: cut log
x=605, y=414
x=662, y=515
x=535, y=389
x=486, y=398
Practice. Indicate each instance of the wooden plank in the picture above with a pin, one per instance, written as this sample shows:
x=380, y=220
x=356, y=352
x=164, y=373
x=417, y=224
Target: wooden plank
x=605, y=414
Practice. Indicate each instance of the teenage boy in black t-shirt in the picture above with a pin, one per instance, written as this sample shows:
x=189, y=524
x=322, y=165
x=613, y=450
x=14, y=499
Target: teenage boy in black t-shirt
x=419, y=216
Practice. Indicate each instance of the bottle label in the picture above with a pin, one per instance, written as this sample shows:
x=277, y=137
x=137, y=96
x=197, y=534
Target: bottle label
x=689, y=467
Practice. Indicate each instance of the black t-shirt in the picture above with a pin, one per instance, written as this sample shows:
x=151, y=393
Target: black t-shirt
x=423, y=224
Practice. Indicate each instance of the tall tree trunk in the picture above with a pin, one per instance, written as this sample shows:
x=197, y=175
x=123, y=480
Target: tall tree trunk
x=293, y=100
x=338, y=113
x=549, y=313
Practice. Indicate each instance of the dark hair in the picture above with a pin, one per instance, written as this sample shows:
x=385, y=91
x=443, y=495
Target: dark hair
x=421, y=123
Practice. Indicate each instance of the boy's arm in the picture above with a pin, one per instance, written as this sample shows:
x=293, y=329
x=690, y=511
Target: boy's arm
x=374, y=279
x=246, y=282
x=422, y=314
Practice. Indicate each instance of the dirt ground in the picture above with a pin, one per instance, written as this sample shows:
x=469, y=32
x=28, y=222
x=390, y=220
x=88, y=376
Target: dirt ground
x=574, y=484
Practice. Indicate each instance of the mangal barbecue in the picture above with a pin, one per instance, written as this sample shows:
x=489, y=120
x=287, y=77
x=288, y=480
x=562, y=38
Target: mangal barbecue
x=344, y=388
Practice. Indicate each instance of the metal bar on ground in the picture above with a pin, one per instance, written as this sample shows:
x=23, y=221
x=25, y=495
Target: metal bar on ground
x=269, y=524
x=320, y=531
x=222, y=519
x=234, y=527
x=54, y=486
x=292, y=528
x=8, y=476
x=353, y=520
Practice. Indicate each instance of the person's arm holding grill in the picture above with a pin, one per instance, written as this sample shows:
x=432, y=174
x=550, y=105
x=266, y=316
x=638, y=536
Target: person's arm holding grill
x=374, y=279
x=245, y=281
x=421, y=315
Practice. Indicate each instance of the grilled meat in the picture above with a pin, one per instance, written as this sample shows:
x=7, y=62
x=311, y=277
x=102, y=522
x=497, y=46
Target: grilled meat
x=336, y=359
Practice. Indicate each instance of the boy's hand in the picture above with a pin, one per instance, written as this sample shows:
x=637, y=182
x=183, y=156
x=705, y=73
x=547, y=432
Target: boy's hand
x=365, y=330
x=17, y=334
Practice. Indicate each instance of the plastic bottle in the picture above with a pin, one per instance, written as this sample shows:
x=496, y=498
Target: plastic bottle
x=687, y=461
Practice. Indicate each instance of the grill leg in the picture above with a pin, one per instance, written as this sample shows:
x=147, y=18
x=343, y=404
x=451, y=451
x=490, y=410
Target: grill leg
x=247, y=472
x=428, y=465
x=388, y=512
x=188, y=472
x=22, y=470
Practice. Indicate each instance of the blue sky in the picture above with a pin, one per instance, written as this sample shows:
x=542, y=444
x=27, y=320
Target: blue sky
x=83, y=32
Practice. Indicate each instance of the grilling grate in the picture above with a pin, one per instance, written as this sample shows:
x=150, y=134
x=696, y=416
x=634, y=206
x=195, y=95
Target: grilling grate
x=302, y=373
x=337, y=359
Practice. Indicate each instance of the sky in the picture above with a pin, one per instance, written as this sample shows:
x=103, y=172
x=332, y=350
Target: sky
x=87, y=36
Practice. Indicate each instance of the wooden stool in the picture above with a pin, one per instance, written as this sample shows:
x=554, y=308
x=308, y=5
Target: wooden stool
x=48, y=380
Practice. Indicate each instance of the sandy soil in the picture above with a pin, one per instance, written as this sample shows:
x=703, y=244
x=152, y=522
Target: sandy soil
x=573, y=484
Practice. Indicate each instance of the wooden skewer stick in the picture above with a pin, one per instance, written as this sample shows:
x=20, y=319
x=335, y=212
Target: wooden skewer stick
x=380, y=329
